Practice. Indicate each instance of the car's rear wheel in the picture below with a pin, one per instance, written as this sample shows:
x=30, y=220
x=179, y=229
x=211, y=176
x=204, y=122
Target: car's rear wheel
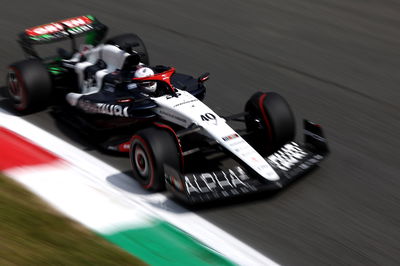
x=270, y=121
x=131, y=41
x=150, y=149
x=29, y=85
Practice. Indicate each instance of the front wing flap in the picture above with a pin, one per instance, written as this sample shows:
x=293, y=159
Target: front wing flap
x=290, y=162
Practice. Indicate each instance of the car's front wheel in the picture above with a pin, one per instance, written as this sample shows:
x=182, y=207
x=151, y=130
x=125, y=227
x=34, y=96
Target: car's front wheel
x=270, y=120
x=150, y=150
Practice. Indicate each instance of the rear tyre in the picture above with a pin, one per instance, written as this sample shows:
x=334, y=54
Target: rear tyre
x=150, y=149
x=29, y=85
x=271, y=121
x=133, y=42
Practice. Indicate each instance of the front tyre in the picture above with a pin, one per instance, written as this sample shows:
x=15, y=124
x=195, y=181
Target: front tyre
x=29, y=85
x=270, y=121
x=150, y=149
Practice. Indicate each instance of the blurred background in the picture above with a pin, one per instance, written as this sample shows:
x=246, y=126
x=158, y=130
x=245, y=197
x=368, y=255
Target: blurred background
x=336, y=62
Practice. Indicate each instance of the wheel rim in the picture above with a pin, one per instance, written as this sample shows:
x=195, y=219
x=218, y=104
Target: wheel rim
x=141, y=162
x=14, y=87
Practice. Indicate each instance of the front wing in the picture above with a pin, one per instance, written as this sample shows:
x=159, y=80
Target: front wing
x=290, y=162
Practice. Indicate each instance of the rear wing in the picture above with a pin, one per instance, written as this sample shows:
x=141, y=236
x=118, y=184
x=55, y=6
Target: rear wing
x=61, y=30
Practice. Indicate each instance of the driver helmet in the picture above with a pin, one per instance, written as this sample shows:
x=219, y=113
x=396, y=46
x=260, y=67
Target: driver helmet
x=146, y=72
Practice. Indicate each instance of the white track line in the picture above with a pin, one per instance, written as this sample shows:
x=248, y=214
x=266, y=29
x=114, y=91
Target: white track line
x=96, y=174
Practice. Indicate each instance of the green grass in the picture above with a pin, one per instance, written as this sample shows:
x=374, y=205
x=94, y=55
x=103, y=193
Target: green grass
x=31, y=233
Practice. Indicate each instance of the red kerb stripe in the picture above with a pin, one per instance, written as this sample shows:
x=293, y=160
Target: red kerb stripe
x=16, y=151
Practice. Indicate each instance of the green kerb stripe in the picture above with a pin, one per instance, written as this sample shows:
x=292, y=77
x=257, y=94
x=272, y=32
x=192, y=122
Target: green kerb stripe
x=163, y=244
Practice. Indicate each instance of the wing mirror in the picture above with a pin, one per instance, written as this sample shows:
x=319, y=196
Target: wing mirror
x=204, y=77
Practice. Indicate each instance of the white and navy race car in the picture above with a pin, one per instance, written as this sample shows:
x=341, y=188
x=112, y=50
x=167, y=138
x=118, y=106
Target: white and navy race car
x=156, y=115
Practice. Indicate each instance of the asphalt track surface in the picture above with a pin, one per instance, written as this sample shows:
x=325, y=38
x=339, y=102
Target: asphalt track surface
x=336, y=62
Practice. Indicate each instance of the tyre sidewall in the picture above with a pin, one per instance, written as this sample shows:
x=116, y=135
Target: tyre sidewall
x=276, y=118
x=35, y=85
x=138, y=143
x=160, y=148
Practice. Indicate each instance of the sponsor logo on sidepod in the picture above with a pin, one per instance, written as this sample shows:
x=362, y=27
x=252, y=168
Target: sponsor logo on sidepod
x=103, y=108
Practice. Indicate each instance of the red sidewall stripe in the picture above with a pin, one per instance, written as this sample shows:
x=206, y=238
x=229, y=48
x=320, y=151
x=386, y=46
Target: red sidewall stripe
x=265, y=116
x=149, y=156
x=22, y=105
x=182, y=162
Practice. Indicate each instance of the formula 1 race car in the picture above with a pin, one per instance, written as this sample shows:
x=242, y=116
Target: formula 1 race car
x=157, y=116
